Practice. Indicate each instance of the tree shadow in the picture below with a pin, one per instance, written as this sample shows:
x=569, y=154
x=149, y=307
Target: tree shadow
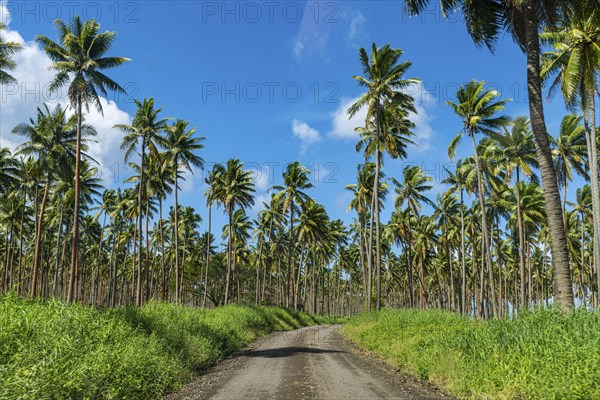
x=282, y=352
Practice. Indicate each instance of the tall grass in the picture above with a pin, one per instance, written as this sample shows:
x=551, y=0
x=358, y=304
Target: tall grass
x=55, y=351
x=539, y=355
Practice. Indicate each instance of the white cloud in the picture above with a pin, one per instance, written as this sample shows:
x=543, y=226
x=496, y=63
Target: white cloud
x=305, y=133
x=19, y=102
x=343, y=127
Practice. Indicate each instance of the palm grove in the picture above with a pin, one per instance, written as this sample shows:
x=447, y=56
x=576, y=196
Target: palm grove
x=501, y=237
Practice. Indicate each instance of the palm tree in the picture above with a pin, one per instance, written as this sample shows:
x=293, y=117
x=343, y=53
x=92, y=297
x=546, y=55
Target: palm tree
x=386, y=122
x=182, y=145
x=485, y=22
x=212, y=178
x=410, y=191
x=8, y=169
x=146, y=127
x=295, y=181
x=478, y=109
x=7, y=50
x=233, y=189
x=575, y=62
x=52, y=140
x=78, y=59
x=516, y=150
x=568, y=149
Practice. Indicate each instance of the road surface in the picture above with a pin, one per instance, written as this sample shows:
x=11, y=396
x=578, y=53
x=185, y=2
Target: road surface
x=308, y=363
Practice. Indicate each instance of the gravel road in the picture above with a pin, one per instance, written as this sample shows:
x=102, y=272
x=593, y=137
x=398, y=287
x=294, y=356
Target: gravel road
x=308, y=363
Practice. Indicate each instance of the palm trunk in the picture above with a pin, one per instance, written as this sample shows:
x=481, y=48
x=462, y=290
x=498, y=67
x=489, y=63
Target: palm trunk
x=228, y=277
x=138, y=295
x=563, y=289
x=162, y=250
x=176, y=215
x=378, y=233
x=463, y=262
x=484, y=230
x=521, y=238
x=591, y=139
x=75, y=241
x=207, y=257
x=290, y=246
x=38, y=237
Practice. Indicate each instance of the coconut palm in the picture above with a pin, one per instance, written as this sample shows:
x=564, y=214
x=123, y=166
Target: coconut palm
x=574, y=61
x=411, y=192
x=182, y=145
x=233, y=190
x=7, y=51
x=211, y=179
x=52, y=140
x=386, y=125
x=145, y=131
x=486, y=21
x=78, y=59
x=569, y=149
x=478, y=108
x=295, y=181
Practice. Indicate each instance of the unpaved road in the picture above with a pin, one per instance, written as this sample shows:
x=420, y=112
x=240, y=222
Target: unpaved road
x=308, y=363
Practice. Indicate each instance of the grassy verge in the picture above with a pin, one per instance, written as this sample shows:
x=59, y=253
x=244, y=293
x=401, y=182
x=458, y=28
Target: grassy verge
x=54, y=351
x=540, y=355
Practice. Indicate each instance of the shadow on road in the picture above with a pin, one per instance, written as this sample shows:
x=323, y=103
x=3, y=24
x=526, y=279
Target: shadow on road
x=285, y=352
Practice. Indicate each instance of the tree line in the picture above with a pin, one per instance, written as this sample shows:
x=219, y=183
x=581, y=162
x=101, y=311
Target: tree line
x=501, y=237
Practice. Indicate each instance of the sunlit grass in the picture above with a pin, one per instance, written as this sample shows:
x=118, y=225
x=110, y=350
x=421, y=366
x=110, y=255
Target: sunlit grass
x=539, y=355
x=55, y=351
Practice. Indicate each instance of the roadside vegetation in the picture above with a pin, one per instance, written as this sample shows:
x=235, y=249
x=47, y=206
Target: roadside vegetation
x=542, y=354
x=58, y=351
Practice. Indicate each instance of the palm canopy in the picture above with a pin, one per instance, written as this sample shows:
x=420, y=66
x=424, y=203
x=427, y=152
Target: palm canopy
x=514, y=148
x=384, y=80
x=410, y=190
x=182, y=144
x=234, y=187
x=78, y=58
x=296, y=179
x=569, y=149
x=478, y=108
x=7, y=50
x=574, y=60
x=147, y=125
x=52, y=138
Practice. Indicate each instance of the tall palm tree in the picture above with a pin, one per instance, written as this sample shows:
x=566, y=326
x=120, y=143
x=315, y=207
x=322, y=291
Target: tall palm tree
x=182, y=145
x=145, y=132
x=212, y=179
x=486, y=21
x=387, y=109
x=7, y=50
x=516, y=150
x=575, y=62
x=8, y=169
x=78, y=59
x=52, y=140
x=411, y=192
x=295, y=181
x=234, y=189
x=478, y=108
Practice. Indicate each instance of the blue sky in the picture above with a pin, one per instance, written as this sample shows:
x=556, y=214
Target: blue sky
x=268, y=82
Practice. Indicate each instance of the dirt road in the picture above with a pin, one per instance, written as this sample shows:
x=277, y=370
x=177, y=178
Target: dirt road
x=308, y=363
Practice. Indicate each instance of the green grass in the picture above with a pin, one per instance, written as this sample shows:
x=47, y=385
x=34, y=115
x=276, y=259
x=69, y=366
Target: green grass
x=55, y=351
x=539, y=355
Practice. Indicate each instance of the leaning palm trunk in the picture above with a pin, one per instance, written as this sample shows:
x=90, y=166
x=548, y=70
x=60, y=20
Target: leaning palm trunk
x=563, y=289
